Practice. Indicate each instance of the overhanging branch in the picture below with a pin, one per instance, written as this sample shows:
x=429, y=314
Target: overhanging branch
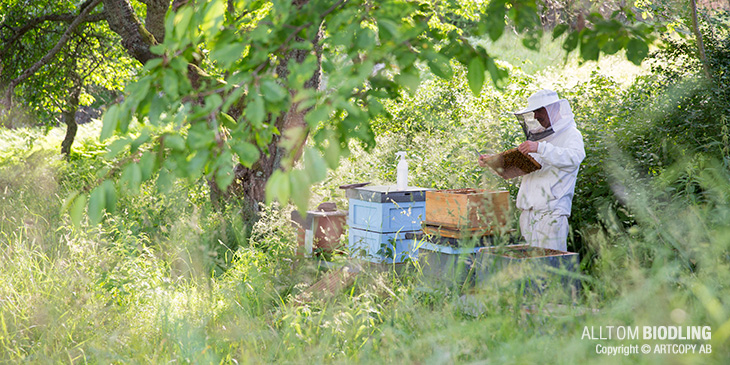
x=61, y=43
x=35, y=22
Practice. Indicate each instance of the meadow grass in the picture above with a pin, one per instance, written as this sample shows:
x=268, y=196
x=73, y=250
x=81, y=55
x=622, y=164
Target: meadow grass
x=168, y=278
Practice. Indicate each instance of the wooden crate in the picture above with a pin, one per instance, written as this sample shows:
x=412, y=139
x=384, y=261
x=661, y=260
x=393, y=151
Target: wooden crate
x=468, y=209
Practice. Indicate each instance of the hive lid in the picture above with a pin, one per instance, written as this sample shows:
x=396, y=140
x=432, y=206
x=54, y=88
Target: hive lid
x=388, y=194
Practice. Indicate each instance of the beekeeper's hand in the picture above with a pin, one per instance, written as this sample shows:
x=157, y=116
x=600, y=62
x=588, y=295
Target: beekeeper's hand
x=483, y=160
x=527, y=147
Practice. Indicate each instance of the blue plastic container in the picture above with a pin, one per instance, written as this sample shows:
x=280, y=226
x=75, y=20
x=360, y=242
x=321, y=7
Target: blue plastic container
x=382, y=247
x=449, y=265
x=386, y=217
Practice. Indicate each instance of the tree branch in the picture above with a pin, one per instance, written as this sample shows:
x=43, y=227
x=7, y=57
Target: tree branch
x=61, y=42
x=135, y=38
x=33, y=23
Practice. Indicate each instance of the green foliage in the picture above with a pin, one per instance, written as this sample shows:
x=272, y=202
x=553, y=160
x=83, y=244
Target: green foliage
x=371, y=53
x=91, y=61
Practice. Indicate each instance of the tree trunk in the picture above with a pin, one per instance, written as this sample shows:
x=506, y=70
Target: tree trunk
x=155, y=20
x=250, y=184
x=698, y=37
x=69, y=118
x=135, y=38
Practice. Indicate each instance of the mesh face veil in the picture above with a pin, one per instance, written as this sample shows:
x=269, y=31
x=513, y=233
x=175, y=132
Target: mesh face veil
x=559, y=113
x=534, y=131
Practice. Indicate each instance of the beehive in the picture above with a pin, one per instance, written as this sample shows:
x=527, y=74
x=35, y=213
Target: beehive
x=478, y=210
x=380, y=217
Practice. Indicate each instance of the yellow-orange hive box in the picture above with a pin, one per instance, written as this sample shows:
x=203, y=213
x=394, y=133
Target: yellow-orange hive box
x=467, y=209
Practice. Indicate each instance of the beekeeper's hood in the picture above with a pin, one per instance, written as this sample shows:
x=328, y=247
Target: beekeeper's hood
x=559, y=113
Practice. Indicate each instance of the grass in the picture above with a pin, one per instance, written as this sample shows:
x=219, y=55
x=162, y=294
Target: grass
x=168, y=278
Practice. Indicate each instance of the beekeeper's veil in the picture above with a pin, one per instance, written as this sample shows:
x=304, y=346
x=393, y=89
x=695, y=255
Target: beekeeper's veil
x=559, y=113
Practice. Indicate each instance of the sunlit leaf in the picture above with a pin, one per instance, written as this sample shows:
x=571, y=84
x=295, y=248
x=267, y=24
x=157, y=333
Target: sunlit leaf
x=314, y=165
x=132, y=178
x=475, y=75
x=97, y=204
x=110, y=196
x=278, y=187
x=109, y=122
x=300, y=189
x=77, y=209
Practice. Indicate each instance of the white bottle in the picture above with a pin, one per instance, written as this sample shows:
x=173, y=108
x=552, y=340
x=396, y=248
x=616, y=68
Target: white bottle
x=402, y=172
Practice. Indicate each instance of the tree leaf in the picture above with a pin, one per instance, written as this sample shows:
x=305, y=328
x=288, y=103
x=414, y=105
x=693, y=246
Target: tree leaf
x=571, y=42
x=365, y=39
x=278, y=187
x=224, y=170
x=175, y=142
x=152, y=64
x=495, y=22
x=333, y=152
x=499, y=76
x=144, y=136
x=213, y=18
x=320, y=114
x=614, y=45
x=181, y=22
x=559, y=30
x=255, y=112
x=636, y=51
x=110, y=196
x=475, y=75
x=197, y=164
x=272, y=91
x=589, y=48
x=77, y=209
x=164, y=181
x=132, y=178
x=114, y=148
x=439, y=65
x=300, y=189
x=410, y=79
x=170, y=83
x=97, y=204
x=228, y=121
x=314, y=165
x=226, y=54
x=247, y=153
x=147, y=165
x=68, y=201
x=109, y=122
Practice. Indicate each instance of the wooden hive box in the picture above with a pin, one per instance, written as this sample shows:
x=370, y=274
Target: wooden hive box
x=475, y=210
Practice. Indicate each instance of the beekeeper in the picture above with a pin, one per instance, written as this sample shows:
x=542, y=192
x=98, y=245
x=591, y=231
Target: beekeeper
x=546, y=195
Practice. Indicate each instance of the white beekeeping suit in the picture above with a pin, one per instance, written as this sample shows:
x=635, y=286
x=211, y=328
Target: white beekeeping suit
x=545, y=196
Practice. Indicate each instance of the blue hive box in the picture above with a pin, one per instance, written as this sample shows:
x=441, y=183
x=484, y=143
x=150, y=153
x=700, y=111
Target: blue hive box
x=382, y=247
x=446, y=264
x=386, y=210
